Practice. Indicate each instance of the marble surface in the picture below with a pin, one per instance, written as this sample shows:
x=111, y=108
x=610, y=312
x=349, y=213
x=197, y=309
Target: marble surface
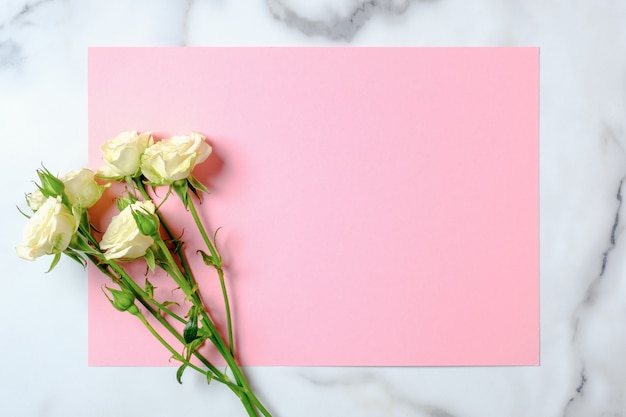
x=43, y=115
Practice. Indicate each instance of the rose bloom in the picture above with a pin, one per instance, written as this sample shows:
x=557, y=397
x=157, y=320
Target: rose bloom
x=173, y=159
x=81, y=188
x=48, y=231
x=122, y=154
x=122, y=238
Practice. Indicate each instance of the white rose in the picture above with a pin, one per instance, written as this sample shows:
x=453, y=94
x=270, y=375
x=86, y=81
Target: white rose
x=81, y=188
x=122, y=154
x=48, y=231
x=122, y=238
x=173, y=159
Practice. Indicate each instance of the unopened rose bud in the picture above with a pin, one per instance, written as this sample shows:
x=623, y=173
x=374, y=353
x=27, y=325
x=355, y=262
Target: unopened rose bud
x=123, y=300
x=51, y=186
x=147, y=222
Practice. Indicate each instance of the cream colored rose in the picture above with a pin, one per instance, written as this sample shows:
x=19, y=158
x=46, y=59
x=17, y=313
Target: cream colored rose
x=173, y=159
x=48, y=231
x=122, y=238
x=122, y=154
x=81, y=188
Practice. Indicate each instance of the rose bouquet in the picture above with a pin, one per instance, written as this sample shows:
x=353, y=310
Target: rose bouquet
x=60, y=224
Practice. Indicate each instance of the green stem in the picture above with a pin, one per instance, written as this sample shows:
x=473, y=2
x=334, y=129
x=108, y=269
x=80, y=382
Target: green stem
x=214, y=254
x=191, y=294
x=217, y=259
x=183, y=259
x=169, y=347
x=247, y=396
x=234, y=367
x=143, y=299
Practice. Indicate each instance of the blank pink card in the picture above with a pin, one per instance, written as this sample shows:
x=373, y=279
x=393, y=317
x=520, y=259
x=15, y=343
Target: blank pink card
x=378, y=206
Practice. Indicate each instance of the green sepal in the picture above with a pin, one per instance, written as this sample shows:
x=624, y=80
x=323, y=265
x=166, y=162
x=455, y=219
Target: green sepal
x=179, y=373
x=191, y=347
x=150, y=260
x=147, y=223
x=209, y=377
x=196, y=186
x=129, y=180
x=169, y=303
x=55, y=261
x=149, y=289
x=84, y=220
x=164, y=199
x=92, y=227
x=159, y=256
x=180, y=188
x=217, y=249
x=76, y=256
x=193, y=290
x=124, y=202
x=177, y=245
x=78, y=243
x=51, y=186
x=204, y=333
x=23, y=214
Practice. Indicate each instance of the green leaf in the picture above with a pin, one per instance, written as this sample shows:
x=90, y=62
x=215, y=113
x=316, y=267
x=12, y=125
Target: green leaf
x=169, y=303
x=55, y=261
x=149, y=289
x=209, y=377
x=190, y=332
x=179, y=373
x=206, y=258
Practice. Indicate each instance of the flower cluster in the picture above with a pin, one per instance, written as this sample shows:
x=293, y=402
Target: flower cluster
x=60, y=224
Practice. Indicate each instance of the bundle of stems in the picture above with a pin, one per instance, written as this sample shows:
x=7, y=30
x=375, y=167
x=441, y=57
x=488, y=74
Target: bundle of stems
x=60, y=224
x=168, y=254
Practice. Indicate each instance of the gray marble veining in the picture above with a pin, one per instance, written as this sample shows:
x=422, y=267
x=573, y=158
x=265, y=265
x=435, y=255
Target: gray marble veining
x=43, y=111
x=335, y=25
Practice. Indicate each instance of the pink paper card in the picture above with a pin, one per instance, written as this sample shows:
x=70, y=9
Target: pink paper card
x=378, y=206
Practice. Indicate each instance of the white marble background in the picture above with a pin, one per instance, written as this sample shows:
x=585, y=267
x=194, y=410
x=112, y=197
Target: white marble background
x=43, y=117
